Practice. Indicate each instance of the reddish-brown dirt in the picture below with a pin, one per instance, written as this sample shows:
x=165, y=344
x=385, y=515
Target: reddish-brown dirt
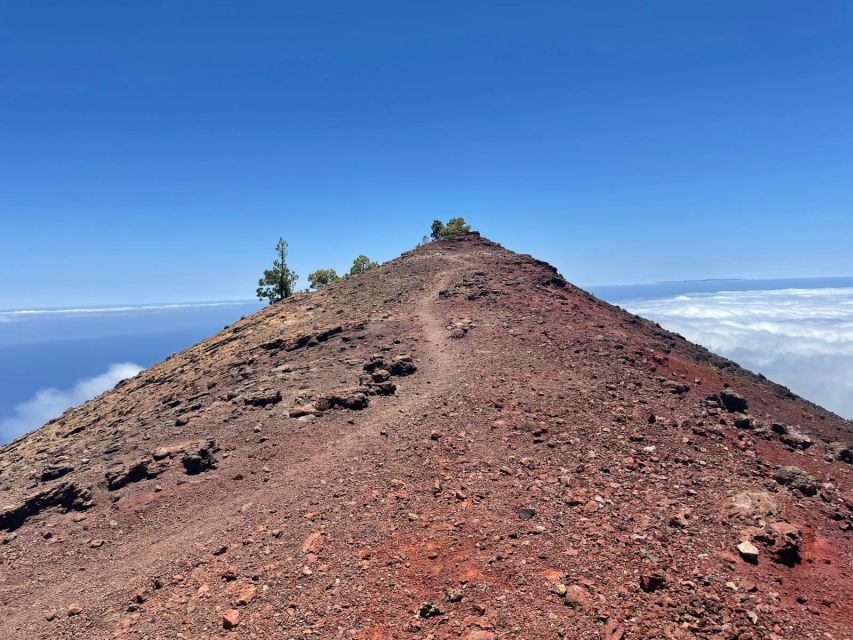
x=544, y=465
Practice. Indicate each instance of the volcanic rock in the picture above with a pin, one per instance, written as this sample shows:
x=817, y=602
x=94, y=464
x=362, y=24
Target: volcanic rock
x=447, y=488
x=795, y=478
x=732, y=401
x=796, y=439
x=748, y=551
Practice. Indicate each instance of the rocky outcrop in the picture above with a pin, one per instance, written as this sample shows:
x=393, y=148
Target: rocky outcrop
x=66, y=496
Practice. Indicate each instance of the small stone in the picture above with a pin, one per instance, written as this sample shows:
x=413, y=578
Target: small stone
x=652, y=582
x=429, y=610
x=231, y=618
x=453, y=595
x=313, y=543
x=576, y=596
x=246, y=595
x=591, y=506
x=748, y=551
x=74, y=609
x=525, y=513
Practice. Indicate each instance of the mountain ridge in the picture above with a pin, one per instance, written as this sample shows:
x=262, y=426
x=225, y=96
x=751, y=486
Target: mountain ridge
x=459, y=443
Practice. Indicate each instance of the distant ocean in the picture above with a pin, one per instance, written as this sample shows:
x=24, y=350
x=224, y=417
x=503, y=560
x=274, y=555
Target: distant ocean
x=798, y=332
x=56, y=357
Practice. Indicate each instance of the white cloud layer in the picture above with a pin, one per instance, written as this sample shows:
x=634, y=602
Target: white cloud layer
x=50, y=403
x=7, y=316
x=802, y=338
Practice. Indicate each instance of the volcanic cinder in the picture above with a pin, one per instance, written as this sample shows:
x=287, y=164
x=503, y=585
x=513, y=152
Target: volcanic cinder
x=457, y=444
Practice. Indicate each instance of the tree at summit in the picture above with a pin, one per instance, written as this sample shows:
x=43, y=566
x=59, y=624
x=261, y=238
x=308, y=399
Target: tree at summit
x=454, y=226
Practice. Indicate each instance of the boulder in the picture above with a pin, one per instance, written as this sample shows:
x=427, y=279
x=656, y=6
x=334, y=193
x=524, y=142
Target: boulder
x=779, y=428
x=748, y=551
x=380, y=375
x=787, y=540
x=796, y=479
x=375, y=362
x=732, y=401
x=796, y=439
x=402, y=366
x=143, y=469
x=751, y=504
x=200, y=458
x=840, y=451
x=743, y=421
x=676, y=387
x=354, y=399
x=262, y=397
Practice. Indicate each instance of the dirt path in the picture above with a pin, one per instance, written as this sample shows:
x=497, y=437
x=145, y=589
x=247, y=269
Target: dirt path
x=548, y=445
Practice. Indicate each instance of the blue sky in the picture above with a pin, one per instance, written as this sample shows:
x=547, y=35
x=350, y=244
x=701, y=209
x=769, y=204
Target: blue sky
x=155, y=151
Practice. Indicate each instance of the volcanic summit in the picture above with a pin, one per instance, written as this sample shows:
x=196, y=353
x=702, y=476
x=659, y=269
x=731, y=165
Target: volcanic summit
x=456, y=444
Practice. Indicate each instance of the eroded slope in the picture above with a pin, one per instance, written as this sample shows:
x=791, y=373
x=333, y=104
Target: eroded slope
x=459, y=444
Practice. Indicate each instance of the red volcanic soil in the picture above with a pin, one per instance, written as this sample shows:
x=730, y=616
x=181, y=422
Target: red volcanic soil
x=457, y=444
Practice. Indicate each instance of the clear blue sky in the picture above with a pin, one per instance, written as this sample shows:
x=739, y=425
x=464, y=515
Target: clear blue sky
x=155, y=151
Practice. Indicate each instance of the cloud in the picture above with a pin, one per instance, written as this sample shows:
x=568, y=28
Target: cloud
x=7, y=316
x=50, y=403
x=802, y=338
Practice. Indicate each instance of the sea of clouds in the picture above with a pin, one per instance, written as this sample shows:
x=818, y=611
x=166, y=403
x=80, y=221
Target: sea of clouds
x=12, y=314
x=49, y=403
x=802, y=338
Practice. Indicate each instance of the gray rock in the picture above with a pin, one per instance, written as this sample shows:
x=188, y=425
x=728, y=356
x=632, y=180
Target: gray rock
x=796, y=479
x=733, y=402
x=796, y=439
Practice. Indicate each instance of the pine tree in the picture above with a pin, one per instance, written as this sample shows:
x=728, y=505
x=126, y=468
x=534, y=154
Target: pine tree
x=277, y=283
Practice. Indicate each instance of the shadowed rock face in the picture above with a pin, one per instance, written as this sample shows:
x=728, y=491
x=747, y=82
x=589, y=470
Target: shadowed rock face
x=457, y=444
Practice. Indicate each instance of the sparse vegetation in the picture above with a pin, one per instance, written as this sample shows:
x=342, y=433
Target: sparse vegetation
x=453, y=227
x=361, y=264
x=322, y=277
x=277, y=283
